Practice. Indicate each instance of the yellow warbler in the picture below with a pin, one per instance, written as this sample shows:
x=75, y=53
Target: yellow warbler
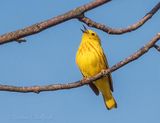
x=91, y=59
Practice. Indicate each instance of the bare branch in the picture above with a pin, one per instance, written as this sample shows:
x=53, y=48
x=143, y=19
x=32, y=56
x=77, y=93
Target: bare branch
x=38, y=27
x=157, y=47
x=55, y=87
x=75, y=13
x=130, y=28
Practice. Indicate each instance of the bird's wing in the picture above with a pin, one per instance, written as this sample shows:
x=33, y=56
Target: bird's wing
x=93, y=87
x=109, y=75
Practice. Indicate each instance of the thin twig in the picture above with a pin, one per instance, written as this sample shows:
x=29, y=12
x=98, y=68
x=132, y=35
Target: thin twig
x=55, y=87
x=110, y=30
x=38, y=27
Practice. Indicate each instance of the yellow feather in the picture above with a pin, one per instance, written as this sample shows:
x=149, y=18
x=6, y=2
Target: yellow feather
x=91, y=59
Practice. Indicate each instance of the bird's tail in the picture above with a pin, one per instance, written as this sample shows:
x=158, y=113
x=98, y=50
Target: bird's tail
x=104, y=87
x=109, y=102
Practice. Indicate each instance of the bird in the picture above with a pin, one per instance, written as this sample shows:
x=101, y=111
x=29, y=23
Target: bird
x=91, y=60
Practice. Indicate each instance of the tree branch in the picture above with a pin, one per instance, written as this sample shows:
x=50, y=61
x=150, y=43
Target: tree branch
x=55, y=87
x=38, y=27
x=75, y=13
x=130, y=28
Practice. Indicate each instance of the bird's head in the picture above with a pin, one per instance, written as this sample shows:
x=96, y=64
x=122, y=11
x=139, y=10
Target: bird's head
x=90, y=35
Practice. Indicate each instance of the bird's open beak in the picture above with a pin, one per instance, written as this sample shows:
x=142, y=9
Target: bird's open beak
x=84, y=30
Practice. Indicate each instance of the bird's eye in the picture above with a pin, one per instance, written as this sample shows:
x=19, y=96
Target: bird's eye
x=92, y=34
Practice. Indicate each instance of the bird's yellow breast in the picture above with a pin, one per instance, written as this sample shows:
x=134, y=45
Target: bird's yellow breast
x=89, y=59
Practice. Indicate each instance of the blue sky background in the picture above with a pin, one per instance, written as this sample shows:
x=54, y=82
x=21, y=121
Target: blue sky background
x=49, y=57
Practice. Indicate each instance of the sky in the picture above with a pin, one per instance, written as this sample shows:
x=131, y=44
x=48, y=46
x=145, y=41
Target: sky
x=49, y=58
